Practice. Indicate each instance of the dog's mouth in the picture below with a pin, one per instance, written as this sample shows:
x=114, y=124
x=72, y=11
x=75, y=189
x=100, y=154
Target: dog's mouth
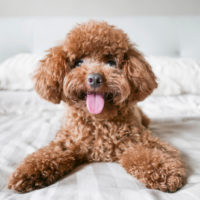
x=95, y=101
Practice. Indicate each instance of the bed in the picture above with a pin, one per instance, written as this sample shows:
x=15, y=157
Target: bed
x=28, y=122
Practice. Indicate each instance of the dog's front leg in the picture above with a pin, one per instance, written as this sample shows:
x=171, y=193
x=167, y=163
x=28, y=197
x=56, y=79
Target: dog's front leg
x=42, y=168
x=156, y=164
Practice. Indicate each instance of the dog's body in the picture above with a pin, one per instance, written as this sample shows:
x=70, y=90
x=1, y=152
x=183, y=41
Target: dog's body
x=100, y=76
x=101, y=140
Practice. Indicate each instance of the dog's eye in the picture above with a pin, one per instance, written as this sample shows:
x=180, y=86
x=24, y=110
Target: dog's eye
x=112, y=63
x=78, y=63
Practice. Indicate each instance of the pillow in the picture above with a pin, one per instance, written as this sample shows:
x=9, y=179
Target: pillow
x=16, y=72
x=175, y=75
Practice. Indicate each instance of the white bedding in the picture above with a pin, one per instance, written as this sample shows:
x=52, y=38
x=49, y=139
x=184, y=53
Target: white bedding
x=28, y=123
x=174, y=75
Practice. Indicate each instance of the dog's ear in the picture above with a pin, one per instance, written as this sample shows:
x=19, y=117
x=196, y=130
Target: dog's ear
x=48, y=78
x=139, y=74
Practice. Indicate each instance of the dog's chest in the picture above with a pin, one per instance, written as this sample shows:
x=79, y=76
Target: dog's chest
x=103, y=140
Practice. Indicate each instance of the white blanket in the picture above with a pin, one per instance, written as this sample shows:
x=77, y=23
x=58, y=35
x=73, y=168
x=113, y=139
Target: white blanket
x=28, y=123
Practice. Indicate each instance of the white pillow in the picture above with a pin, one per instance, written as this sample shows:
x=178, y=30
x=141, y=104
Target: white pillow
x=16, y=72
x=175, y=75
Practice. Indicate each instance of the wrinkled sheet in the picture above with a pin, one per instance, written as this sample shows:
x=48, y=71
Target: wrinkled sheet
x=28, y=123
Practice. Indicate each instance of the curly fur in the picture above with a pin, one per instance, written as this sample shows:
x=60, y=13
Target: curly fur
x=119, y=133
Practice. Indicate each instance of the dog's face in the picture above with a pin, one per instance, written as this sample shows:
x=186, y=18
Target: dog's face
x=96, y=70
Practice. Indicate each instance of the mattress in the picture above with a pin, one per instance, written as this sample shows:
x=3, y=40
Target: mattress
x=28, y=123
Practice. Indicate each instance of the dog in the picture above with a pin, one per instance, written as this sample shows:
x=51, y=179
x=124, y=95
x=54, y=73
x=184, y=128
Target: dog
x=100, y=76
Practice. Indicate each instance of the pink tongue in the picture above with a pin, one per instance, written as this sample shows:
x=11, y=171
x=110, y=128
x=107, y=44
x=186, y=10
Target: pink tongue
x=95, y=103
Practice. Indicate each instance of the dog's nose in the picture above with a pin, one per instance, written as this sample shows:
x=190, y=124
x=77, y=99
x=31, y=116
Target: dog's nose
x=94, y=80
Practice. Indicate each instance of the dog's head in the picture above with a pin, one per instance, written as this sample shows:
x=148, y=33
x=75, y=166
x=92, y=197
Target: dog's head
x=96, y=70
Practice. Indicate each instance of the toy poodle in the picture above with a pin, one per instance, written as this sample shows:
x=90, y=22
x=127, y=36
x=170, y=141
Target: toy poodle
x=100, y=76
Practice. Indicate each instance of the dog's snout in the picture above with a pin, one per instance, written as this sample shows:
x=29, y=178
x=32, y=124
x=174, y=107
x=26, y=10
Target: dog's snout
x=94, y=80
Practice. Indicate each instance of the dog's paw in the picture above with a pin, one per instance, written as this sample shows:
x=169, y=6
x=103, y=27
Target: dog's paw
x=25, y=180
x=169, y=184
x=154, y=168
x=167, y=177
x=175, y=182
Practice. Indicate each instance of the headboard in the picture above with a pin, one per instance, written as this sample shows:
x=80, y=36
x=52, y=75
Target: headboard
x=159, y=36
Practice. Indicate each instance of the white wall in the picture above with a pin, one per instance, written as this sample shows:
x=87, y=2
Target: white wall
x=98, y=7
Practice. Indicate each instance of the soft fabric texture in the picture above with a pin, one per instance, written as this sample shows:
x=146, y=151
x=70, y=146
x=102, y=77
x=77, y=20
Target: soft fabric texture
x=175, y=75
x=16, y=72
x=28, y=123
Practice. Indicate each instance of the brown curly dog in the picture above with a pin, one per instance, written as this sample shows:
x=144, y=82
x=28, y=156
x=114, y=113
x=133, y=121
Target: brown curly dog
x=100, y=76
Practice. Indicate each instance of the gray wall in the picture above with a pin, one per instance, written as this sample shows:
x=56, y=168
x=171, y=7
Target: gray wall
x=98, y=7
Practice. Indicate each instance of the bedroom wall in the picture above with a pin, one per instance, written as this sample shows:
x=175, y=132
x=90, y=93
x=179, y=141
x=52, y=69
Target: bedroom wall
x=98, y=7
